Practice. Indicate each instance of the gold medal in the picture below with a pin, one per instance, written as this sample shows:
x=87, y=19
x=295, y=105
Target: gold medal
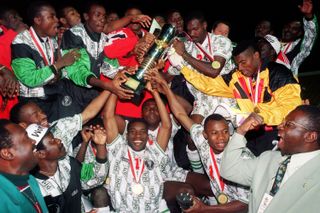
x=137, y=188
x=108, y=180
x=216, y=65
x=222, y=198
x=256, y=109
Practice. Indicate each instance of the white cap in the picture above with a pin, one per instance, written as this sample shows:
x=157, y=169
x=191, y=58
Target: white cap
x=274, y=42
x=36, y=132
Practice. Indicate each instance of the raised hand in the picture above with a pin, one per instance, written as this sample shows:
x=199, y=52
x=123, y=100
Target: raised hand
x=157, y=81
x=117, y=89
x=68, y=59
x=9, y=85
x=99, y=135
x=251, y=122
x=144, y=20
x=179, y=47
x=86, y=134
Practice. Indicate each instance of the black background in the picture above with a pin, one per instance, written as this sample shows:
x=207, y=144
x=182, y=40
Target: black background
x=243, y=15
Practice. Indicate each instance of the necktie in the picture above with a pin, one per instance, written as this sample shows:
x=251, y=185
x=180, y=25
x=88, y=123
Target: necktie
x=279, y=176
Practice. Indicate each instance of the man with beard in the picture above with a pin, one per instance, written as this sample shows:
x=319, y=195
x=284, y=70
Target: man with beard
x=285, y=180
x=19, y=191
x=35, y=58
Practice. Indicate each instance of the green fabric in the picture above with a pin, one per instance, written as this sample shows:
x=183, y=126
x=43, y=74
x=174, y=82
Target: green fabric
x=26, y=71
x=13, y=201
x=87, y=171
x=80, y=70
x=114, y=63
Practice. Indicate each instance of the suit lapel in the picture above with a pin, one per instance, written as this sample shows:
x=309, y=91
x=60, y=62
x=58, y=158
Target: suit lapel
x=296, y=186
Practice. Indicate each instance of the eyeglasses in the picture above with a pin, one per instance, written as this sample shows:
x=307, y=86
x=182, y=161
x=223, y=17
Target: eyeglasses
x=293, y=124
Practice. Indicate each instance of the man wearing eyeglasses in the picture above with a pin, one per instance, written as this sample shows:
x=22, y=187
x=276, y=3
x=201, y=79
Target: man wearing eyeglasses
x=285, y=180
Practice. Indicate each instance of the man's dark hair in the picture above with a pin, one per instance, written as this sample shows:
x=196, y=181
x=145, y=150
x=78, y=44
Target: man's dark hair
x=170, y=12
x=15, y=112
x=244, y=45
x=138, y=120
x=214, y=117
x=216, y=23
x=147, y=101
x=5, y=138
x=61, y=10
x=35, y=9
x=100, y=197
x=91, y=4
x=195, y=15
x=313, y=115
x=4, y=11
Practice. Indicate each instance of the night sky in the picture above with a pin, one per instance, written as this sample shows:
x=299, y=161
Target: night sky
x=244, y=17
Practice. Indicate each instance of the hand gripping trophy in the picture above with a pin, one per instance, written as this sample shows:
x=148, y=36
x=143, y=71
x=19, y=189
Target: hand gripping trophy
x=136, y=82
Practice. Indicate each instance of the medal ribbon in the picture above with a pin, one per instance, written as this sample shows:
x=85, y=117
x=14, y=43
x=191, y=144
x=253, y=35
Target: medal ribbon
x=214, y=171
x=37, y=42
x=139, y=166
x=287, y=47
x=94, y=151
x=200, y=47
x=255, y=92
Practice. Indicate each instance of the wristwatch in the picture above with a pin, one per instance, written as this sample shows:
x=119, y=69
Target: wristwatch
x=216, y=64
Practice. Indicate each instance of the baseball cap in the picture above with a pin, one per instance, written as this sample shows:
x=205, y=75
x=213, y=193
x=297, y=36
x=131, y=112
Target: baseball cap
x=274, y=42
x=37, y=132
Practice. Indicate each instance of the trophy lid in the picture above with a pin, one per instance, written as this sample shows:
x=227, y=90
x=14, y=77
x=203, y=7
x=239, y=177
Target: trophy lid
x=167, y=33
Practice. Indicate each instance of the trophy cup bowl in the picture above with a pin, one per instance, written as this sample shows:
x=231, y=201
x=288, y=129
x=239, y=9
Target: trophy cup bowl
x=136, y=82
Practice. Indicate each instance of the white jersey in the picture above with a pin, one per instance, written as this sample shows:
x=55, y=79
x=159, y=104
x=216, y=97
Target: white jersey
x=232, y=190
x=214, y=45
x=153, y=134
x=121, y=179
x=66, y=129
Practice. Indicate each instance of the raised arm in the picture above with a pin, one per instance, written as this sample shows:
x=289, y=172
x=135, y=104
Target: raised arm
x=178, y=110
x=9, y=85
x=94, y=107
x=144, y=20
x=86, y=135
x=109, y=119
x=207, y=68
x=165, y=127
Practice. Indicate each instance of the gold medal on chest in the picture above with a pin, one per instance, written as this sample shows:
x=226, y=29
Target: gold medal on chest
x=216, y=65
x=108, y=180
x=256, y=109
x=222, y=198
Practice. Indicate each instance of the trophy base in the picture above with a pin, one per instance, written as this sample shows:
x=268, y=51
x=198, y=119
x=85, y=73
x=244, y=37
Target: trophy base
x=137, y=87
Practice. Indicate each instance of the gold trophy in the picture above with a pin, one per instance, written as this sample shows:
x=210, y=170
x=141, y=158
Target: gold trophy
x=136, y=82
